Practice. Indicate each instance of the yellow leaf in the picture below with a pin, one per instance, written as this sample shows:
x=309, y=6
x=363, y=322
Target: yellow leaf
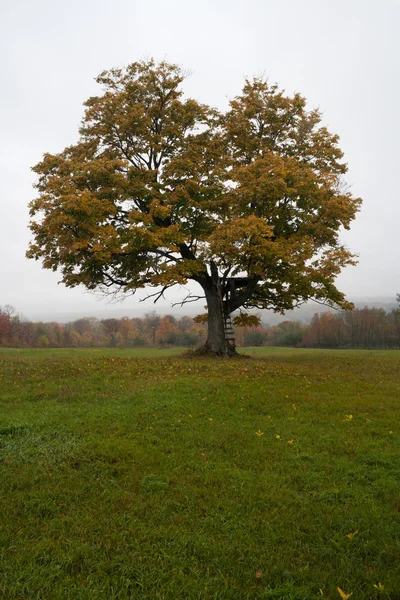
x=343, y=594
x=379, y=586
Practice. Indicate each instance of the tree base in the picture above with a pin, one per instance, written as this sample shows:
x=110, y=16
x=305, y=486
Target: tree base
x=204, y=352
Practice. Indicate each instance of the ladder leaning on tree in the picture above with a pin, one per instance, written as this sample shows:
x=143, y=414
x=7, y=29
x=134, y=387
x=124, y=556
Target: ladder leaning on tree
x=229, y=333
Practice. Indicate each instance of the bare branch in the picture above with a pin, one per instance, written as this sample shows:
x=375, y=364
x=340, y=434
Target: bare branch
x=156, y=295
x=324, y=303
x=189, y=298
x=165, y=254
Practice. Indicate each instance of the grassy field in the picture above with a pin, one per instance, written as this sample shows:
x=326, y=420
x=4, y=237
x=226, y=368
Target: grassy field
x=143, y=475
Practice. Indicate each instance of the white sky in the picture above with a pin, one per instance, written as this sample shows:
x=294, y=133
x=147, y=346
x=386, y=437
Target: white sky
x=343, y=55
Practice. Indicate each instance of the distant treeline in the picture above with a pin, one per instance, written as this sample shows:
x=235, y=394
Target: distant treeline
x=360, y=328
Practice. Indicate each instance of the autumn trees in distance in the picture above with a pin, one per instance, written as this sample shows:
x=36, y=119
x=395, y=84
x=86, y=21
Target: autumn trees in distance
x=367, y=327
x=161, y=189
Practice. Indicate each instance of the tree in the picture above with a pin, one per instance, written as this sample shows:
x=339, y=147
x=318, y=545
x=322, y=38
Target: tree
x=9, y=323
x=286, y=333
x=128, y=331
x=395, y=320
x=160, y=190
x=326, y=330
x=5, y=325
x=151, y=324
x=254, y=337
x=111, y=327
x=167, y=332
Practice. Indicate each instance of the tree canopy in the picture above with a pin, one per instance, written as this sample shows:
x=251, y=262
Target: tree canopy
x=161, y=189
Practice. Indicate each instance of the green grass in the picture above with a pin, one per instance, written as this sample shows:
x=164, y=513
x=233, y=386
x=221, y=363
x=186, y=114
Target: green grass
x=140, y=474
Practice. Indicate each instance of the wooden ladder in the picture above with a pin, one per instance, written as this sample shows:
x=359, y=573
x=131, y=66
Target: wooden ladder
x=229, y=333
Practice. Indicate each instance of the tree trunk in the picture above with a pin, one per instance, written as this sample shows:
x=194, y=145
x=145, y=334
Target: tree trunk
x=216, y=343
x=220, y=338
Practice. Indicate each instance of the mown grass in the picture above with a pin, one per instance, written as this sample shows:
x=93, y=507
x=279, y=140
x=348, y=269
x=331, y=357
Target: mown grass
x=140, y=474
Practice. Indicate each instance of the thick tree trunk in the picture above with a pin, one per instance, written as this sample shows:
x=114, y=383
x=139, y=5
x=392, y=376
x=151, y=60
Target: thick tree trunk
x=216, y=342
x=221, y=337
x=220, y=341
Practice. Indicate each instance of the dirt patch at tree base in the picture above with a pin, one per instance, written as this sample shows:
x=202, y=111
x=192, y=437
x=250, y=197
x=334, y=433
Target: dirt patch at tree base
x=204, y=352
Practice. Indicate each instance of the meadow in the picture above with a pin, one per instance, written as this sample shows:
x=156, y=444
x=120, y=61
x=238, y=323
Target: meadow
x=140, y=474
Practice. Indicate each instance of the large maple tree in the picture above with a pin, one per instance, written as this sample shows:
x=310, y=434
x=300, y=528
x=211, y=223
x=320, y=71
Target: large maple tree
x=161, y=189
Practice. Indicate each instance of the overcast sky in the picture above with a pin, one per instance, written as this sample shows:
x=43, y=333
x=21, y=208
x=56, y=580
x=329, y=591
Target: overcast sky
x=342, y=55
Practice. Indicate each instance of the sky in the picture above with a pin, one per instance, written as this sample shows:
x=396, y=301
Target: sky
x=342, y=55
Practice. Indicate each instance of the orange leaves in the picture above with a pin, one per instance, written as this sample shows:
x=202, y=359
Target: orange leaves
x=241, y=240
x=179, y=272
x=160, y=186
x=203, y=318
x=246, y=320
x=263, y=119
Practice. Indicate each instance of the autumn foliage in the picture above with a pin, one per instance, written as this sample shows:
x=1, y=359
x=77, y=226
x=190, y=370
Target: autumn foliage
x=360, y=328
x=161, y=189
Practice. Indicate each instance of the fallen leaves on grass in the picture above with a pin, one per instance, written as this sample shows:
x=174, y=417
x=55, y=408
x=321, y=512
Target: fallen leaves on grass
x=379, y=587
x=343, y=594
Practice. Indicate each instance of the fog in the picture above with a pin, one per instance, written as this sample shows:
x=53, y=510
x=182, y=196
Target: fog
x=343, y=56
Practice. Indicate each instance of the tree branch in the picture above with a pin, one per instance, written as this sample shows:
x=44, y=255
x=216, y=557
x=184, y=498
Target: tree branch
x=189, y=298
x=156, y=295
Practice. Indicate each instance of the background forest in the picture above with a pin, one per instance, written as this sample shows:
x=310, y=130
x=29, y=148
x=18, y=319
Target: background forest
x=361, y=328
